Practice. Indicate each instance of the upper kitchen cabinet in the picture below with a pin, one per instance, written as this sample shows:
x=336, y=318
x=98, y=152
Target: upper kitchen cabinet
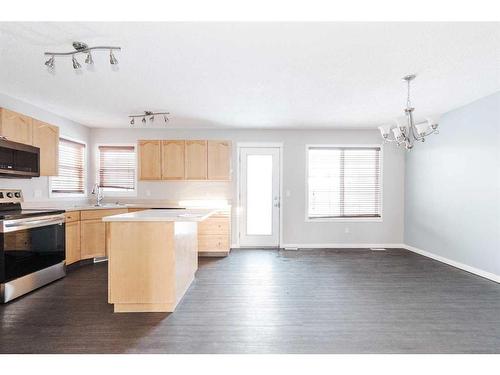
x=172, y=160
x=196, y=160
x=46, y=137
x=150, y=160
x=219, y=160
x=16, y=127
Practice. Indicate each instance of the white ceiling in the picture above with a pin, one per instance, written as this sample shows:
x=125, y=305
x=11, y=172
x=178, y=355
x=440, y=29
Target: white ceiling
x=253, y=75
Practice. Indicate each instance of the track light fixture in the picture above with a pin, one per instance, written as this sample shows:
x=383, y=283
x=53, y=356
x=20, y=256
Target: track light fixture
x=82, y=48
x=149, y=114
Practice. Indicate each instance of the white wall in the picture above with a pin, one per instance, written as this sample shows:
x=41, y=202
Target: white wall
x=295, y=230
x=37, y=189
x=453, y=189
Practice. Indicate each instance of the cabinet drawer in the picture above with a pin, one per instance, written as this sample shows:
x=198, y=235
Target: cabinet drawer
x=214, y=225
x=99, y=214
x=213, y=242
x=72, y=216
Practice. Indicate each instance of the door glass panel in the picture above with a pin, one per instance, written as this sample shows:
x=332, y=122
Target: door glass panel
x=259, y=195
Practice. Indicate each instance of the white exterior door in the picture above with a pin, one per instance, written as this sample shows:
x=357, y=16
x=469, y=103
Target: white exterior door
x=259, y=190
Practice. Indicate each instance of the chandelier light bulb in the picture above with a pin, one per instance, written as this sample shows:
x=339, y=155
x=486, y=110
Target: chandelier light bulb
x=152, y=119
x=132, y=122
x=76, y=64
x=144, y=120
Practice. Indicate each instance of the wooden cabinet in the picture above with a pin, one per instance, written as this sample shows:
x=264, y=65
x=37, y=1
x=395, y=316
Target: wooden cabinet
x=23, y=129
x=93, y=238
x=172, y=160
x=46, y=137
x=16, y=127
x=219, y=160
x=73, y=253
x=184, y=160
x=149, y=160
x=214, y=235
x=196, y=160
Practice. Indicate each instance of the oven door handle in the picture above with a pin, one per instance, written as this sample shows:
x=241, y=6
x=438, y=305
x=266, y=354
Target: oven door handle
x=7, y=226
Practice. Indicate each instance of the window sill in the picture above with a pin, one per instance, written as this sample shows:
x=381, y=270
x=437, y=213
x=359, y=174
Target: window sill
x=345, y=220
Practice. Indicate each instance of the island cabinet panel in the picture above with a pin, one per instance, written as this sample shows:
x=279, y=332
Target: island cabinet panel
x=100, y=213
x=73, y=253
x=156, y=277
x=46, y=137
x=16, y=127
x=196, y=160
x=172, y=160
x=93, y=238
x=219, y=160
x=149, y=160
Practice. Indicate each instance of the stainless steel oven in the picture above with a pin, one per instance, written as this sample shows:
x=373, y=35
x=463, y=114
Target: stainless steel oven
x=32, y=250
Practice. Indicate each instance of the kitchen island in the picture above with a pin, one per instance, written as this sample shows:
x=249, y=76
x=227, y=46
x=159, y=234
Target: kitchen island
x=153, y=257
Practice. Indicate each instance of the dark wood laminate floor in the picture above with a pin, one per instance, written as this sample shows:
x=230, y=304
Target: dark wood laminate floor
x=265, y=301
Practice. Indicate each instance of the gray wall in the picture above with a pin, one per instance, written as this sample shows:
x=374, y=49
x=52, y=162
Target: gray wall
x=37, y=189
x=452, y=198
x=295, y=230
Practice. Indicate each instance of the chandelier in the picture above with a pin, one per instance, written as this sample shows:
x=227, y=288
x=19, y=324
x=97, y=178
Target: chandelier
x=150, y=116
x=81, y=48
x=406, y=133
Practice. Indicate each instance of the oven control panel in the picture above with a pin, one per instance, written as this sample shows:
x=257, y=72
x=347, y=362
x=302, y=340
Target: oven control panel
x=11, y=196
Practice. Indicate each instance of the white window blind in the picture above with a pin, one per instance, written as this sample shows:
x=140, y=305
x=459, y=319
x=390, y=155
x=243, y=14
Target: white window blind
x=344, y=182
x=117, y=168
x=71, y=177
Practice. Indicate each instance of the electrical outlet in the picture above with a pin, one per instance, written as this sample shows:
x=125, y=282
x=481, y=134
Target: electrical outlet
x=37, y=193
x=288, y=193
x=347, y=230
x=148, y=193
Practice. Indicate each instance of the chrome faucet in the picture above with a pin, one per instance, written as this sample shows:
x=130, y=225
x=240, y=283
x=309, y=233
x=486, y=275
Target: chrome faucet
x=97, y=191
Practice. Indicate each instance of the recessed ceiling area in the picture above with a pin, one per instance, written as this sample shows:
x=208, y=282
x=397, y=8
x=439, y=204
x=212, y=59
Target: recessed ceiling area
x=252, y=75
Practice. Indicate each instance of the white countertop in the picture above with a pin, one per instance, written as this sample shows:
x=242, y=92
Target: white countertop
x=188, y=214
x=83, y=206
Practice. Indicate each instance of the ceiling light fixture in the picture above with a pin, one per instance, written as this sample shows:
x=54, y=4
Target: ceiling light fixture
x=82, y=48
x=149, y=114
x=406, y=134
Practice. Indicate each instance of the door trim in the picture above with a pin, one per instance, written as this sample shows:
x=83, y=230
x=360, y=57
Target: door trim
x=239, y=146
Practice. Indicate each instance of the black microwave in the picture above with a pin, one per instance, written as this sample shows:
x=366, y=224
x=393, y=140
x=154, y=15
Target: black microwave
x=18, y=160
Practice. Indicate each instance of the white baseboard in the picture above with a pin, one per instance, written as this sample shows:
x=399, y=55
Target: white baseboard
x=342, y=245
x=476, y=271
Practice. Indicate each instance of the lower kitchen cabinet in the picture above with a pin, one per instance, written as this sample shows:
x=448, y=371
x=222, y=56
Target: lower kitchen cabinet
x=93, y=238
x=214, y=235
x=86, y=233
x=73, y=253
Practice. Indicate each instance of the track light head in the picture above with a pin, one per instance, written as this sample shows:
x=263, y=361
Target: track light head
x=89, y=60
x=50, y=63
x=76, y=64
x=165, y=118
x=112, y=58
x=144, y=120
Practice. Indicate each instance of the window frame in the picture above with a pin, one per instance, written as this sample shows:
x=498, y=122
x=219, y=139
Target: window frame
x=85, y=174
x=344, y=219
x=108, y=193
